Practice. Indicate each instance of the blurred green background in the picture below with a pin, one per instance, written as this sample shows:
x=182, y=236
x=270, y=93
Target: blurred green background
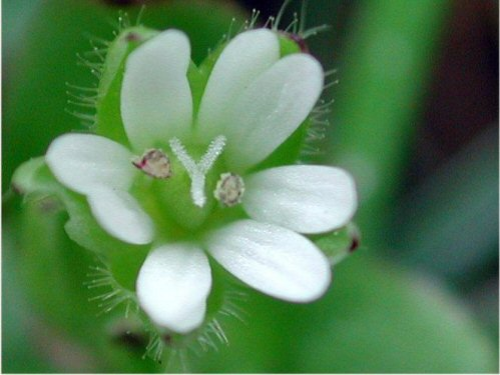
x=415, y=119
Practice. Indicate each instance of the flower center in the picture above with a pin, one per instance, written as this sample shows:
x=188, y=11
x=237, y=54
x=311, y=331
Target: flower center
x=198, y=170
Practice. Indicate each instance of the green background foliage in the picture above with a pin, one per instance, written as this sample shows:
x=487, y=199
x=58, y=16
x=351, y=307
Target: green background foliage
x=379, y=316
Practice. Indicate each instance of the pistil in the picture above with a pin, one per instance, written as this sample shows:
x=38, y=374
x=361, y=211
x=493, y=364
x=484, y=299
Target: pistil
x=198, y=171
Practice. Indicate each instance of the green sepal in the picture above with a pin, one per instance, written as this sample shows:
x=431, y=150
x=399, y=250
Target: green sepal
x=34, y=180
x=288, y=46
x=56, y=275
x=198, y=75
x=108, y=115
x=339, y=244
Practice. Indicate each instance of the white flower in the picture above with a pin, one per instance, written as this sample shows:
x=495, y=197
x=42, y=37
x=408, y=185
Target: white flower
x=253, y=101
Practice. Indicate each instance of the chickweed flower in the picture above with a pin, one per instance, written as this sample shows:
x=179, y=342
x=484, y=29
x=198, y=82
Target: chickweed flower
x=192, y=182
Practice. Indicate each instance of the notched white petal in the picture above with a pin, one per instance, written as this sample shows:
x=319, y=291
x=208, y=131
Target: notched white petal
x=173, y=286
x=121, y=216
x=304, y=198
x=156, y=101
x=271, y=259
x=272, y=108
x=83, y=161
x=247, y=56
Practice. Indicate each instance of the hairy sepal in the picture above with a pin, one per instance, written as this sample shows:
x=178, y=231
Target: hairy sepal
x=108, y=117
x=339, y=244
x=34, y=181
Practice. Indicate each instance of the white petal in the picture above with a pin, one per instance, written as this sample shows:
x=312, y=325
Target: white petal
x=273, y=260
x=83, y=161
x=156, y=101
x=272, y=108
x=173, y=285
x=247, y=56
x=304, y=198
x=121, y=216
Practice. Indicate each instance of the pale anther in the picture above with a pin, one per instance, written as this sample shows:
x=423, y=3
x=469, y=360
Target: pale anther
x=198, y=171
x=229, y=190
x=155, y=163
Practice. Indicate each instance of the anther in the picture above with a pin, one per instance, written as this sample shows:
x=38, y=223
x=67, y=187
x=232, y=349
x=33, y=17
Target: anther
x=155, y=163
x=132, y=37
x=229, y=190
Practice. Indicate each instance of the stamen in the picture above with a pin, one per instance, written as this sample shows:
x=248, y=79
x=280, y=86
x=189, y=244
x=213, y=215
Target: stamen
x=230, y=189
x=198, y=171
x=154, y=163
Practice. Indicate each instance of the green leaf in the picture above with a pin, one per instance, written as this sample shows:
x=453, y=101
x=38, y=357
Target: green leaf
x=376, y=318
x=381, y=318
x=390, y=54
